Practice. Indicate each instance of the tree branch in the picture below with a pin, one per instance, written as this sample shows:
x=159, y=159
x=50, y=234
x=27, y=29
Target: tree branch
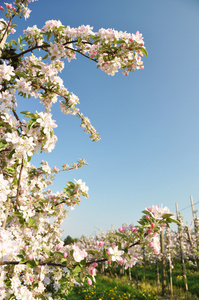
x=6, y=212
x=18, y=187
x=47, y=46
x=5, y=32
x=78, y=51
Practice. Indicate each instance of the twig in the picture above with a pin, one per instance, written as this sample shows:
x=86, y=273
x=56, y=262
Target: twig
x=19, y=181
x=6, y=213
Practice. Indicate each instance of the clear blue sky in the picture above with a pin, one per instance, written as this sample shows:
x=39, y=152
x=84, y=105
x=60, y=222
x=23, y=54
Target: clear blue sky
x=149, y=121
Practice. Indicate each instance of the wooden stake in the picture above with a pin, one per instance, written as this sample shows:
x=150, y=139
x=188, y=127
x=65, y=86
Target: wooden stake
x=157, y=276
x=170, y=264
x=182, y=254
x=193, y=211
x=191, y=244
x=163, y=272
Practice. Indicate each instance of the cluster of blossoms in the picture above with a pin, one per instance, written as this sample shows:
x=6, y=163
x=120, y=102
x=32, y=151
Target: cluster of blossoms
x=158, y=212
x=33, y=258
x=3, y=27
x=111, y=49
x=6, y=72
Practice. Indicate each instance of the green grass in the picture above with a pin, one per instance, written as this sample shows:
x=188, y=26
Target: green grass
x=177, y=277
x=108, y=288
x=119, y=288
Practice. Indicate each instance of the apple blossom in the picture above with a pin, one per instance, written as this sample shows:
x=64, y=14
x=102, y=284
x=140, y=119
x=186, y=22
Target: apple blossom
x=33, y=258
x=116, y=254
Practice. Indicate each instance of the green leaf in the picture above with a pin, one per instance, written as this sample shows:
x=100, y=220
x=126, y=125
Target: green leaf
x=173, y=221
x=165, y=216
x=21, y=221
x=11, y=154
x=16, y=214
x=126, y=249
x=3, y=144
x=48, y=36
x=146, y=212
x=9, y=218
x=51, y=133
x=83, y=262
x=23, y=252
x=77, y=269
x=59, y=253
x=104, y=253
x=119, y=42
x=13, y=42
x=25, y=112
x=31, y=222
x=61, y=27
x=3, y=165
x=47, y=251
x=36, y=66
x=11, y=170
x=21, y=74
x=23, y=261
x=141, y=222
x=144, y=51
x=31, y=264
x=36, y=262
x=46, y=56
x=20, y=256
x=31, y=123
x=91, y=251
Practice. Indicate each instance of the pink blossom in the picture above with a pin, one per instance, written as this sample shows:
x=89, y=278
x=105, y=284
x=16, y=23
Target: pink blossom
x=58, y=247
x=89, y=281
x=133, y=229
x=8, y=6
x=94, y=265
x=101, y=244
x=151, y=244
x=30, y=256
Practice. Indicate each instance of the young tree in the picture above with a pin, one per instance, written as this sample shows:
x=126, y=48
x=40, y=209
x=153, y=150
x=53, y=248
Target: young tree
x=34, y=262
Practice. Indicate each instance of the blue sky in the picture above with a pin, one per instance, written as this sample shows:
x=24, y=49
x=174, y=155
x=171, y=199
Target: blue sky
x=149, y=121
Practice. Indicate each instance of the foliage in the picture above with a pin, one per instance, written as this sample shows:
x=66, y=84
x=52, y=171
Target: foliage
x=35, y=263
x=69, y=240
x=116, y=289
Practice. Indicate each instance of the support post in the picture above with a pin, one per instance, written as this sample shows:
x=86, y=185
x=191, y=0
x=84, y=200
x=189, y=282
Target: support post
x=181, y=250
x=163, y=273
